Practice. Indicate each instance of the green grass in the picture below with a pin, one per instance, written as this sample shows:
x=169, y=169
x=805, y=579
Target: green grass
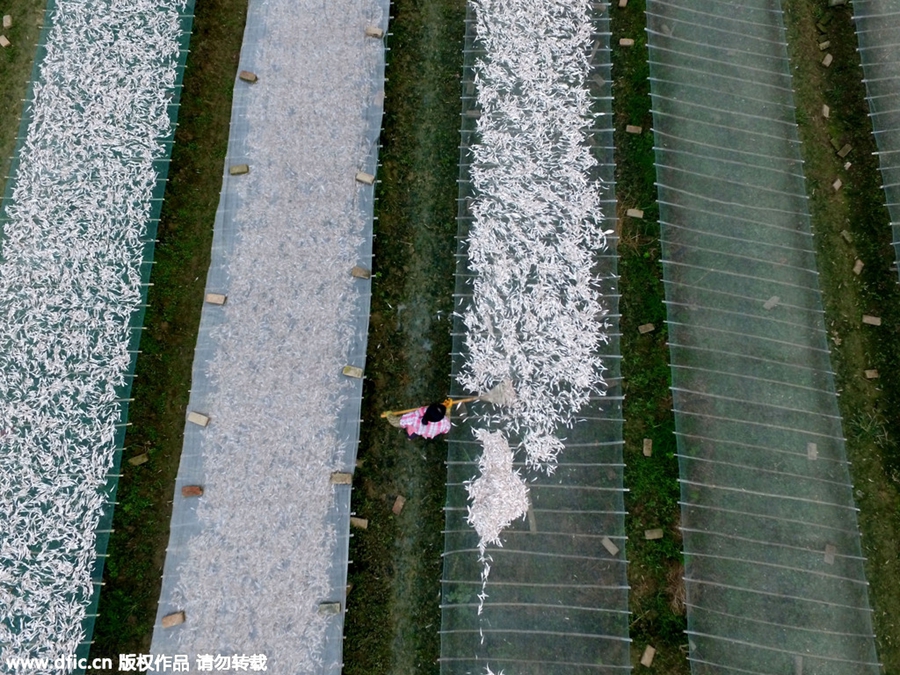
x=15, y=65
x=137, y=548
x=393, y=613
x=869, y=408
x=655, y=569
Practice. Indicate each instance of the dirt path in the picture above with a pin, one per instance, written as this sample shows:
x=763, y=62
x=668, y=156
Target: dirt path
x=393, y=613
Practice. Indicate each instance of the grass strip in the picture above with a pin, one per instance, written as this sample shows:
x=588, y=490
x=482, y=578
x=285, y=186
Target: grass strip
x=853, y=224
x=16, y=62
x=137, y=547
x=393, y=613
x=655, y=567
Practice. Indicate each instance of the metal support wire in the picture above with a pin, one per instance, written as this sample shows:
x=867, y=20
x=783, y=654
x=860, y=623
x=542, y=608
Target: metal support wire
x=750, y=299
x=701, y=608
x=799, y=599
x=750, y=469
x=713, y=29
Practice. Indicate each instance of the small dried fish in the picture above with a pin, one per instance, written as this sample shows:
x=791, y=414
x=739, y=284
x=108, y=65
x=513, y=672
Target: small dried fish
x=535, y=316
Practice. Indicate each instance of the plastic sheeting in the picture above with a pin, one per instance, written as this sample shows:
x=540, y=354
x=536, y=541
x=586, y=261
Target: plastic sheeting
x=258, y=560
x=877, y=26
x=773, y=569
x=557, y=598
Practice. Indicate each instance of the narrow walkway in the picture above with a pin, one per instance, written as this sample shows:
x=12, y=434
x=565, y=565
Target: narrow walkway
x=774, y=574
x=257, y=562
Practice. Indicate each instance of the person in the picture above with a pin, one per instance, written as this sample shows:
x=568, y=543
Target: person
x=428, y=421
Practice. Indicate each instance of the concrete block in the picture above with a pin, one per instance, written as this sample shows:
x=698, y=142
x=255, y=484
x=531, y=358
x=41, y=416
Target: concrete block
x=845, y=150
x=247, y=76
x=647, y=656
x=192, y=491
x=4, y=41
x=341, y=478
x=634, y=213
x=812, y=451
x=361, y=523
x=352, y=371
x=858, y=267
x=837, y=184
x=871, y=374
x=374, y=32
x=216, y=298
x=633, y=129
x=771, y=302
x=397, y=508
x=655, y=533
x=239, y=169
x=826, y=111
x=360, y=272
x=847, y=236
x=646, y=328
x=626, y=42
x=830, y=551
x=198, y=418
x=827, y=60
x=174, y=619
x=648, y=447
x=366, y=178
x=137, y=460
x=610, y=546
x=870, y=320
x=7, y=22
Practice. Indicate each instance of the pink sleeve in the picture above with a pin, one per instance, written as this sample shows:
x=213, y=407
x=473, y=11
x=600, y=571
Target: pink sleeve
x=411, y=419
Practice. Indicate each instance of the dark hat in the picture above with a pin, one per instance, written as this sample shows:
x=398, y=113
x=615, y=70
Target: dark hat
x=434, y=413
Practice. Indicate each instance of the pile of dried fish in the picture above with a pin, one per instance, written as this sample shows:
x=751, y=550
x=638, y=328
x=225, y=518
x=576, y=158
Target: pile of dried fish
x=499, y=495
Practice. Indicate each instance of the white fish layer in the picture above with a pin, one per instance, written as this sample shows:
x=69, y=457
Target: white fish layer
x=70, y=282
x=252, y=572
x=499, y=495
x=535, y=316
